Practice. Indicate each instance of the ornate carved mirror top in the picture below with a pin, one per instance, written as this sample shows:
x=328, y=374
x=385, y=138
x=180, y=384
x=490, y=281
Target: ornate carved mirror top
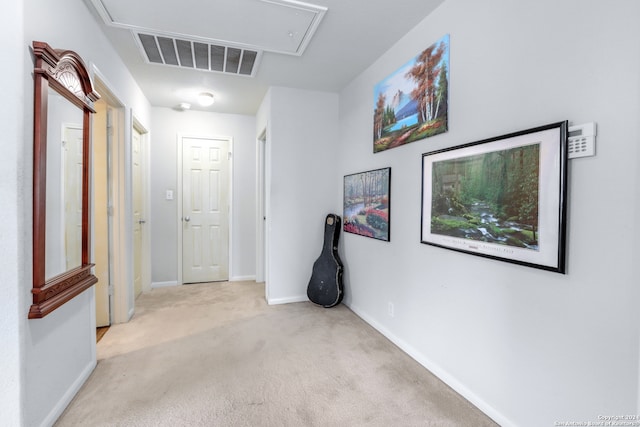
x=63, y=98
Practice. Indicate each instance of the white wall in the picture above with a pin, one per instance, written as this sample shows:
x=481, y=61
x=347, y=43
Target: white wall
x=302, y=145
x=527, y=346
x=167, y=124
x=12, y=189
x=59, y=350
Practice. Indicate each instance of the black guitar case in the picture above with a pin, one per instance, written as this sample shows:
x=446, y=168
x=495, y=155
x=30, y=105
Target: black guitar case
x=325, y=287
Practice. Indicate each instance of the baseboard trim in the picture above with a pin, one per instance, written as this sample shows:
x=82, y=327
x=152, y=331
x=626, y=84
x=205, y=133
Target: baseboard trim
x=69, y=395
x=276, y=301
x=155, y=285
x=436, y=370
x=243, y=279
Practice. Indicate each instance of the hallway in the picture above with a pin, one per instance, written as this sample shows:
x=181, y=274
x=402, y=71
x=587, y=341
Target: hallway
x=217, y=354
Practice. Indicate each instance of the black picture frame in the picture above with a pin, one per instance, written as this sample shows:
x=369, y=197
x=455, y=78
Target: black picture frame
x=367, y=204
x=502, y=198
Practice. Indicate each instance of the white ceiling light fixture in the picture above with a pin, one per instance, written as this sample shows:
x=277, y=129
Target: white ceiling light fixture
x=206, y=99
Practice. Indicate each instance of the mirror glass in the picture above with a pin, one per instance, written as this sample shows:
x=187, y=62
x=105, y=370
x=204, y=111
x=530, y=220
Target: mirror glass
x=63, y=238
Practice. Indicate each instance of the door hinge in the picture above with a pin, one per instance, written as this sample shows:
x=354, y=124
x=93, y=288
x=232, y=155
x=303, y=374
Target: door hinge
x=229, y=155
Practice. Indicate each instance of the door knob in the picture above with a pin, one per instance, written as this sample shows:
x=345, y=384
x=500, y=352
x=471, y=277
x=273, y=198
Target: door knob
x=142, y=221
x=187, y=219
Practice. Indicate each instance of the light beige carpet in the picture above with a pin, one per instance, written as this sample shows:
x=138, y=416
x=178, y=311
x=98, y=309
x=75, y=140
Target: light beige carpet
x=217, y=355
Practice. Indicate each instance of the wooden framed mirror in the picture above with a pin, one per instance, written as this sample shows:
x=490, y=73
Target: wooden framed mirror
x=63, y=100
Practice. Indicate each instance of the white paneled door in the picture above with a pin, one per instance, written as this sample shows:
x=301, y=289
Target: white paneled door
x=205, y=210
x=138, y=207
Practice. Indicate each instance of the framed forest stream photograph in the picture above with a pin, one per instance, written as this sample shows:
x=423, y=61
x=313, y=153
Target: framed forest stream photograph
x=366, y=203
x=501, y=198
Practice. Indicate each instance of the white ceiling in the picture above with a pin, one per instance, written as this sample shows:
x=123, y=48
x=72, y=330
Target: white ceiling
x=320, y=46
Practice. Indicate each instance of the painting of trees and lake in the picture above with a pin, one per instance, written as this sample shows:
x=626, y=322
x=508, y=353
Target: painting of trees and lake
x=412, y=103
x=490, y=197
x=366, y=203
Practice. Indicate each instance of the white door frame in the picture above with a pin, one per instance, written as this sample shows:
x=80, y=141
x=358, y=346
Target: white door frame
x=146, y=203
x=179, y=168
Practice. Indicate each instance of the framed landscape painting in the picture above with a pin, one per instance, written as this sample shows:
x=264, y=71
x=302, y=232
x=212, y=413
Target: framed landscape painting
x=366, y=203
x=501, y=198
x=413, y=102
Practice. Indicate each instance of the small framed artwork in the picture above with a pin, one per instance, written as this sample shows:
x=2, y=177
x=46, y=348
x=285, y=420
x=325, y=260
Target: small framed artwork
x=502, y=198
x=413, y=102
x=366, y=203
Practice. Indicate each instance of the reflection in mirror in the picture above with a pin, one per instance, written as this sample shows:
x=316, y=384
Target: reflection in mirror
x=63, y=237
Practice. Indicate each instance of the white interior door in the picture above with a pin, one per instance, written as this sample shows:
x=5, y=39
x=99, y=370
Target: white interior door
x=138, y=207
x=261, y=228
x=205, y=210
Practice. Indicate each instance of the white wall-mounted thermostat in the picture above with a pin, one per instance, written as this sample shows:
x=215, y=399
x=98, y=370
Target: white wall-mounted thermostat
x=582, y=140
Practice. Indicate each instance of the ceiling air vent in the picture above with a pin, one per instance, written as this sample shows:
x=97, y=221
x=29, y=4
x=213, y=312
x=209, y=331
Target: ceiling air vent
x=198, y=55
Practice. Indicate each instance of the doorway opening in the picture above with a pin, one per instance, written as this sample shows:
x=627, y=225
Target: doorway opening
x=261, y=212
x=109, y=207
x=105, y=129
x=141, y=201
